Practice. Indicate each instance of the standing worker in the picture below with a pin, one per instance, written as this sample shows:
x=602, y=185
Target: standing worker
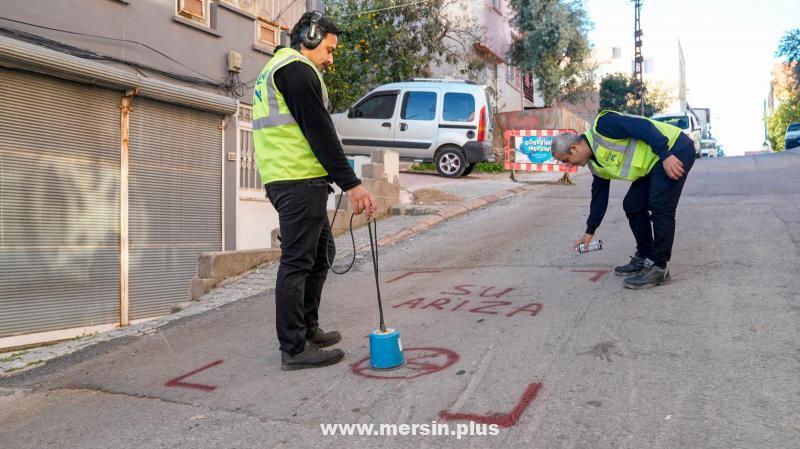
x=656, y=157
x=298, y=154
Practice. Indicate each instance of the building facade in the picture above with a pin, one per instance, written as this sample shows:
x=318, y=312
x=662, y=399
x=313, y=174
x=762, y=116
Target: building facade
x=512, y=89
x=125, y=152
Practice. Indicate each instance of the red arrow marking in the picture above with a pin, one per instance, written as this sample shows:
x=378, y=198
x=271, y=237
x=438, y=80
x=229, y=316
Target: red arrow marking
x=409, y=274
x=596, y=277
x=507, y=420
x=178, y=381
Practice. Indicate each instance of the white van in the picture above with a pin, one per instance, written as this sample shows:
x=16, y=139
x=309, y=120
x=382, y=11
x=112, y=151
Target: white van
x=447, y=122
x=685, y=121
x=708, y=148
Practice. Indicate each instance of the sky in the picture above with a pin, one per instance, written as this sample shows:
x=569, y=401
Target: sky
x=729, y=46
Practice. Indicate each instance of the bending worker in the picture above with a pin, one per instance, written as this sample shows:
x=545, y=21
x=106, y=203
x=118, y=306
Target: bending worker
x=656, y=158
x=298, y=154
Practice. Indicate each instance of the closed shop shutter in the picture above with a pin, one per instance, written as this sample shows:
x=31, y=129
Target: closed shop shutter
x=59, y=204
x=175, y=201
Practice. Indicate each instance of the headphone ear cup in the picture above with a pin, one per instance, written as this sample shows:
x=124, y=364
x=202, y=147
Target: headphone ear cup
x=313, y=38
x=310, y=35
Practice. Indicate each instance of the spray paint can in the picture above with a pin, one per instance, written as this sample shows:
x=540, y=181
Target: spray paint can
x=594, y=245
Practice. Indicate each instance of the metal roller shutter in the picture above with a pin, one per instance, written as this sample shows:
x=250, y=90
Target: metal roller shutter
x=175, y=201
x=59, y=204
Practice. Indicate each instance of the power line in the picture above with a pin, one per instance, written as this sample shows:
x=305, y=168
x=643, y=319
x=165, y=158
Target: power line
x=111, y=39
x=89, y=54
x=385, y=9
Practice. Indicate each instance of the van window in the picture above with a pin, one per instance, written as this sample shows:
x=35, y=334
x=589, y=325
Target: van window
x=419, y=106
x=793, y=127
x=459, y=107
x=377, y=107
x=681, y=121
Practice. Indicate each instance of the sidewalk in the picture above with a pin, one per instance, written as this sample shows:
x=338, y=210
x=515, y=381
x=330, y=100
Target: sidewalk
x=477, y=191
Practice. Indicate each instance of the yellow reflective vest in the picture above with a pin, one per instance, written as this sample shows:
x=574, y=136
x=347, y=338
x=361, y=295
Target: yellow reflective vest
x=628, y=159
x=282, y=152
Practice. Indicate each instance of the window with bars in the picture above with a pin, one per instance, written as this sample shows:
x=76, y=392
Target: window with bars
x=527, y=87
x=249, y=178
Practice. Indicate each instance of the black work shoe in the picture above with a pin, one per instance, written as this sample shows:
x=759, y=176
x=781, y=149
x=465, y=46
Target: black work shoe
x=323, y=339
x=634, y=267
x=650, y=276
x=311, y=357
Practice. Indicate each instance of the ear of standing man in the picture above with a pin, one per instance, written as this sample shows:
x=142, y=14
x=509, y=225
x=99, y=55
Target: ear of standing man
x=298, y=154
x=656, y=158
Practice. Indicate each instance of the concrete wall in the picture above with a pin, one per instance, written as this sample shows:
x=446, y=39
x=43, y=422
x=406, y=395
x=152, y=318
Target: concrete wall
x=195, y=50
x=154, y=23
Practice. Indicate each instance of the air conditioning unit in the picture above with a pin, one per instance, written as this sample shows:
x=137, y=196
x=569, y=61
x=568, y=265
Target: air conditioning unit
x=268, y=33
x=194, y=8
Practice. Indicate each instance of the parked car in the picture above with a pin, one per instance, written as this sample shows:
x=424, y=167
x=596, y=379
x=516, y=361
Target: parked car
x=792, y=139
x=708, y=148
x=685, y=121
x=447, y=122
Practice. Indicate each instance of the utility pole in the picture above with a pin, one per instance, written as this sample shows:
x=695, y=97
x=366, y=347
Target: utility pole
x=638, y=79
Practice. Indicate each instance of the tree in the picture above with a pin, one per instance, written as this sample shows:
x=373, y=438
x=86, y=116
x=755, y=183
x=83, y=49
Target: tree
x=789, y=48
x=789, y=109
x=788, y=112
x=389, y=44
x=554, y=46
x=617, y=92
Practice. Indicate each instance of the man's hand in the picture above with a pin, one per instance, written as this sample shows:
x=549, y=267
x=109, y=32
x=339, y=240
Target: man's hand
x=674, y=167
x=361, y=200
x=586, y=240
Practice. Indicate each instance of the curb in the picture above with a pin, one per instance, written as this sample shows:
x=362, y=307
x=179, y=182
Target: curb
x=22, y=361
x=446, y=214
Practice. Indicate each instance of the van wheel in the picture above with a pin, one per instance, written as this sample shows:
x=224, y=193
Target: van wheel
x=469, y=169
x=450, y=162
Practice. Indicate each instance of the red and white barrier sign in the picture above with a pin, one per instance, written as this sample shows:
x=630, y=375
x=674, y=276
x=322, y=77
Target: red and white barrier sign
x=529, y=150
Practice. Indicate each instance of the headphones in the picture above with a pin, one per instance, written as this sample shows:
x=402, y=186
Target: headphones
x=310, y=35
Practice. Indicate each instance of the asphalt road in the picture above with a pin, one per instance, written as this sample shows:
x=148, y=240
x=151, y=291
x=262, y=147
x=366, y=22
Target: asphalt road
x=501, y=323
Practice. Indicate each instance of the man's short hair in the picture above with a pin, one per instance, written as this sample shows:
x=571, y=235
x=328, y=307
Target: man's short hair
x=562, y=142
x=324, y=25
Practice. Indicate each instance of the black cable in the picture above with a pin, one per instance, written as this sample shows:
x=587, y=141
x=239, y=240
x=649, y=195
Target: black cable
x=111, y=39
x=373, y=246
x=330, y=236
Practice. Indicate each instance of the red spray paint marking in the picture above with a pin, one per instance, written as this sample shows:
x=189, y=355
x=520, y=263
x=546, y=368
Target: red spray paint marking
x=419, y=362
x=178, y=381
x=482, y=306
x=462, y=290
x=503, y=420
x=409, y=274
x=599, y=274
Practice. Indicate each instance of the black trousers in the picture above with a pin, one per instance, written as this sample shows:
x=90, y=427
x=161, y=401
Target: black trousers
x=650, y=206
x=305, y=230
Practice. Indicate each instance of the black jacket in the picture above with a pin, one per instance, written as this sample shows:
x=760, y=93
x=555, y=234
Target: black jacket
x=301, y=89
